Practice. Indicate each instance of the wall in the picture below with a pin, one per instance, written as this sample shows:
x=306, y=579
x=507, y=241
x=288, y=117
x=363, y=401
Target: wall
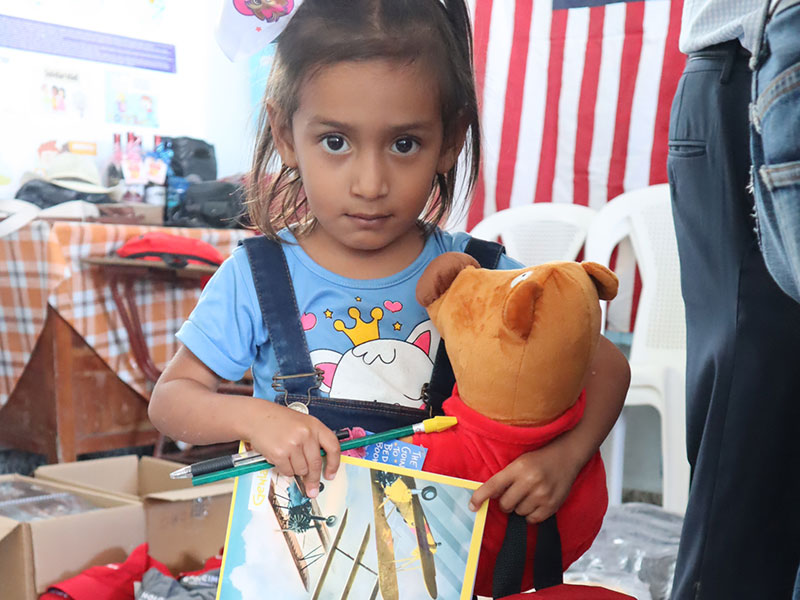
x=206, y=97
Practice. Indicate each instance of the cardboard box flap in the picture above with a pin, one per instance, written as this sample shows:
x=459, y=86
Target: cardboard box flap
x=16, y=562
x=117, y=474
x=212, y=489
x=100, y=498
x=154, y=476
x=64, y=547
x=7, y=526
x=36, y=554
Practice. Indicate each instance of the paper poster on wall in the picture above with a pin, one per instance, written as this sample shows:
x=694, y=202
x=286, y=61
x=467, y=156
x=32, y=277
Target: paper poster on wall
x=131, y=100
x=62, y=92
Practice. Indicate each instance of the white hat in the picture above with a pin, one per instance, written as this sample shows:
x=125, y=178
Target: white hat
x=76, y=172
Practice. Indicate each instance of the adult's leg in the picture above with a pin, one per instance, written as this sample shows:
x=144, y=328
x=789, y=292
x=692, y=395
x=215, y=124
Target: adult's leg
x=776, y=146
x=741, y=534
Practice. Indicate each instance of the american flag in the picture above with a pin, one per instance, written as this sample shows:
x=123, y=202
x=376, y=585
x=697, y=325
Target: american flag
x=575, y=101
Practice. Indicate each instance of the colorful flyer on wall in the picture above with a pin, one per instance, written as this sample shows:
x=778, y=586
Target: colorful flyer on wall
x=375, y=531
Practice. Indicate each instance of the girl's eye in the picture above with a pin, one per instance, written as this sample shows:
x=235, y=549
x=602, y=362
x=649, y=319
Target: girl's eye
x=405, y=146
x=335, y=144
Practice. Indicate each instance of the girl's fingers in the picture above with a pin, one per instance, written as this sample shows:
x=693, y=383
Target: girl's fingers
x=283, y=466
x=539, y=515
x=528, y=504
x=491, y=489
x=512, y=496
x=330, y=443
x=299, y=464
x=313, y=460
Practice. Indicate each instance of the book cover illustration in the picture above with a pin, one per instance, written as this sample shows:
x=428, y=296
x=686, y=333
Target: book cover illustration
x=376, y=531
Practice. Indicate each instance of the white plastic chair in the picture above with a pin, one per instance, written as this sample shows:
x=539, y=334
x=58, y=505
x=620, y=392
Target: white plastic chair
x=658, y=346
x=538, y=233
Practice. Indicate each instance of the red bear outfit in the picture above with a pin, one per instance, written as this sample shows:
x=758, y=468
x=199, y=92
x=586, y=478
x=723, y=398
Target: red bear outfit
x=479, y=447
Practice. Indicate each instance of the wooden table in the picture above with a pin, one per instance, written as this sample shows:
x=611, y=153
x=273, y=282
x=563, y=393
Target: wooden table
x=70, y=380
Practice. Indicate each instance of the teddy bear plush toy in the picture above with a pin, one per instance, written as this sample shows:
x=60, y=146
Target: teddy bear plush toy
x=520, y=343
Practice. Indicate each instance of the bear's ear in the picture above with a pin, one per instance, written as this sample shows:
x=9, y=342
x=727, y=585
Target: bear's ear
x=440, y=273
x=604, y=280
x=520, y=306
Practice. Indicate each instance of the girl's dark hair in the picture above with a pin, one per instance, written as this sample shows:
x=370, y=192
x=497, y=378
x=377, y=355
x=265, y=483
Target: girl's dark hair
x=325, y=32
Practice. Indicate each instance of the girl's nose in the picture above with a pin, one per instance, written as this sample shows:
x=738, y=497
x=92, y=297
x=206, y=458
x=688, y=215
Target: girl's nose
x=369, y=177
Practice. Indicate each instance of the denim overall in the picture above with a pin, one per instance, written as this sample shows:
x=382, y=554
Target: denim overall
x=297, y=381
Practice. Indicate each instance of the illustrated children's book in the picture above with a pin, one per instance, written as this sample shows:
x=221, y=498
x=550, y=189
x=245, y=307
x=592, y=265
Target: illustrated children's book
x=375, y=531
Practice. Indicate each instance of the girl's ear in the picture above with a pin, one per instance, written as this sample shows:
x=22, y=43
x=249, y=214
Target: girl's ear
x=282, y=135
x=452, y=147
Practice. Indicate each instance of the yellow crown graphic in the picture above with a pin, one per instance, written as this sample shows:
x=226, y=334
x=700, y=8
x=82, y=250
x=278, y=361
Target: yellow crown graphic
x=361, y=332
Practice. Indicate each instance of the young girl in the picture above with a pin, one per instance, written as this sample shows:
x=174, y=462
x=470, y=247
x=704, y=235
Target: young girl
x=367, y=109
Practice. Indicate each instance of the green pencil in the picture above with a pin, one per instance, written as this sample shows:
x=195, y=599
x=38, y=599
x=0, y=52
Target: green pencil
x=427, y=426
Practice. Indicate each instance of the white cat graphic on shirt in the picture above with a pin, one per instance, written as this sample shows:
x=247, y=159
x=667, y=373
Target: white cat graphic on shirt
x=385, y=370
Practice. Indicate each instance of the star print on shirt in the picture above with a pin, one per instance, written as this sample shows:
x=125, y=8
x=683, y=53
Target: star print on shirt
x=328, y=313
x=397, y=326
x=358, y=298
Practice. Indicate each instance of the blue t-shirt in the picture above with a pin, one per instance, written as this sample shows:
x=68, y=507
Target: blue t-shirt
x=371, y=338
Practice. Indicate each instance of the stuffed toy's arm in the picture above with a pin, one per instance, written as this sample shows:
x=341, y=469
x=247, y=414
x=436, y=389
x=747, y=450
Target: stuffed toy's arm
x=537, y=483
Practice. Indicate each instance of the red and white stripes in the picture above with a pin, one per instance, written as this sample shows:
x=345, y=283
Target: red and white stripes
x=575, y=102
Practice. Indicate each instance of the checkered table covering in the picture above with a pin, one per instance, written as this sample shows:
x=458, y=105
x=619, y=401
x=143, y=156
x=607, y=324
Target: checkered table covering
x=41, y=264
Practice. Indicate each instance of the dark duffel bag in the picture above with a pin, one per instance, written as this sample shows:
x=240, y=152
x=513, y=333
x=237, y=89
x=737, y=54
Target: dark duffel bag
x=193, y=157
x=217, y=204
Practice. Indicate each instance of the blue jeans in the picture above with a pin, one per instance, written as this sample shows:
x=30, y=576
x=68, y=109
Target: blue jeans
x=796, y=595
x=775, y=146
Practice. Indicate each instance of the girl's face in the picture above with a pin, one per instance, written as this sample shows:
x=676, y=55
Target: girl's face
x=367, y=139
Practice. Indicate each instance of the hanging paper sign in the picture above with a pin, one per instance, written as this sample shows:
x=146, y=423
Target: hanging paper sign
x=247, y=26
x=133, y=171
x=155, y=170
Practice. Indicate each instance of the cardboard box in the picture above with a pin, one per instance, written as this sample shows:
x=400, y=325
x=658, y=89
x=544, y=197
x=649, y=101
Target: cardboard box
x=185, y=524
x=36, y=554
x=132, y=212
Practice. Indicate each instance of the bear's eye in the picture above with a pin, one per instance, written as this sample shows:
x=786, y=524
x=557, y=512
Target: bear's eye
x=520, y=278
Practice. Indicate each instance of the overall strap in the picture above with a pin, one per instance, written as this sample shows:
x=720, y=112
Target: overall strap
x=442, y=378
x=280, y=313
x=511, y=559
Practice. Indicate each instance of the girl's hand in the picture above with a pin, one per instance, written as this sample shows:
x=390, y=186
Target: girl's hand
x=534, y=486
x=292, y=441
x=537, y=483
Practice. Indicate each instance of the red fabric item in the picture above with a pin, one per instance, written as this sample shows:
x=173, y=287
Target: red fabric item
x=175, y=250
x=215, y=562
x=108, y=582
x=479, y=447
x=571, y=592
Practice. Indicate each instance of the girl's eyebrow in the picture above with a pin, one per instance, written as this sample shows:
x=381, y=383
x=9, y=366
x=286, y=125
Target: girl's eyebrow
x=413, y=126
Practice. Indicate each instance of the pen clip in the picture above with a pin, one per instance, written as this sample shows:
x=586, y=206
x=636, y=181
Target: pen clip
x=278, y=386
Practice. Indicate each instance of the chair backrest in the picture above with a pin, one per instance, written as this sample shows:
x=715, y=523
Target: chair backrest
x=646, y=216
x=538, y=233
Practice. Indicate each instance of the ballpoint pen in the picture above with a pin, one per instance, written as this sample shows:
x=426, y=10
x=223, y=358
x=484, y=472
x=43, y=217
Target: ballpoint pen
x=212, y=465
x=427, y=426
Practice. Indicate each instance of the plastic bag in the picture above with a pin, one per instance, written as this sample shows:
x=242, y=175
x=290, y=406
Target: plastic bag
x=635, y=552
x=22, y=501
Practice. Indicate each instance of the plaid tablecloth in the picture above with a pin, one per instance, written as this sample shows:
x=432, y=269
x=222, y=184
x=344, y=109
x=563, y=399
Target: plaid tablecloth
x=41, y=264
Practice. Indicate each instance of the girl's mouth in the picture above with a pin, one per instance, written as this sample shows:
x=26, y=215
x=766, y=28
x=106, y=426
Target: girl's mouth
x=367, y=220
